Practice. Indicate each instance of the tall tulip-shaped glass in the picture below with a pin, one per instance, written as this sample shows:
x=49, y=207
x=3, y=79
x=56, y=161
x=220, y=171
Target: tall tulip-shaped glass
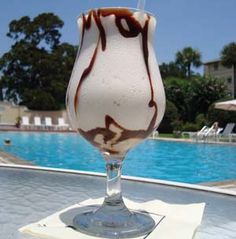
x=115, y=99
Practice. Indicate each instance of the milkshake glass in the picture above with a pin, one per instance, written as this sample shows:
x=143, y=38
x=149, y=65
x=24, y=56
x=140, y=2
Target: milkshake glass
x=115, y=99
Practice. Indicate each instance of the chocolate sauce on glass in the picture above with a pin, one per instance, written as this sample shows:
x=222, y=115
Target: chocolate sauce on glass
x=134, y=29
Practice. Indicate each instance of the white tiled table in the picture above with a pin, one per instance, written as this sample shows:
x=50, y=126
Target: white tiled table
x=28, y=195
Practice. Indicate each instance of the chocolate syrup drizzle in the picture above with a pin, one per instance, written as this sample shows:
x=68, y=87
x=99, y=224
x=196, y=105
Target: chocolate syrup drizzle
x=134, y=30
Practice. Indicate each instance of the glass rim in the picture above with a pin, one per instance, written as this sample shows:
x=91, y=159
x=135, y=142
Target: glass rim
x=133, y=9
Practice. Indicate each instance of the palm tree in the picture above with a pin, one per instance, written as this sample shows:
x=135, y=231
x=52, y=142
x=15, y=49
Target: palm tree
x=1, y=91
x=187, y=58
x=228, y=56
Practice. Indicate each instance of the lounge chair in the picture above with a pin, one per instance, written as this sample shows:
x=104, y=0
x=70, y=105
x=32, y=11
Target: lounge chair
x=155, y=134
x=25, y=122
x=48, y=123
x=227, y=133
x=37, y=122
x=203, y=130
x=196, y=135
x=62, y=125
x=212, y=133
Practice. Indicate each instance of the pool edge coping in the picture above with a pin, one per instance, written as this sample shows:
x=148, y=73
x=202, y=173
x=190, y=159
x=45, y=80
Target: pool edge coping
x=125, y=177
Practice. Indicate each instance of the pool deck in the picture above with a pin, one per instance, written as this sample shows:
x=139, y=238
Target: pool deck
x=194, y=141
x=6, y=158
x=229, y=185
x=45, y=130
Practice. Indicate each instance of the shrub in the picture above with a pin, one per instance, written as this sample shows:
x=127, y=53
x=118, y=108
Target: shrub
x=190, y=127
x=177, y=125
x=201, y=120
x=171, y=114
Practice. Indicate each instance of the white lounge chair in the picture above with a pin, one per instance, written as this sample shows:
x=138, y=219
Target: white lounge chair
x=37, y=122
x=25, y=122
x=212, y=134
x=195, y=135
x=155, y=134
x=227, y=133
x=48, y=123
x=62, y=125
x=203, y=131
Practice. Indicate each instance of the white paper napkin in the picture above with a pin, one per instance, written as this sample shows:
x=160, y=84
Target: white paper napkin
x=174, y=221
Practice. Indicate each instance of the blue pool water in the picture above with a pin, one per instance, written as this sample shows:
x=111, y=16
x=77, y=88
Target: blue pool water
x=176, y=161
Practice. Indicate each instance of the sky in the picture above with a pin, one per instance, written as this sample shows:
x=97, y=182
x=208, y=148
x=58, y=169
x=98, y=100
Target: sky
x=205, y=25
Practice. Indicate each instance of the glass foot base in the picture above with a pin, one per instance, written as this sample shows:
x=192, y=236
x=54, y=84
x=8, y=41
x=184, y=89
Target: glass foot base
x=109, y=223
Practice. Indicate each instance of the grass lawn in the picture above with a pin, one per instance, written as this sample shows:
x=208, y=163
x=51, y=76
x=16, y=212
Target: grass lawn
x=169, y=135
x=162, y=135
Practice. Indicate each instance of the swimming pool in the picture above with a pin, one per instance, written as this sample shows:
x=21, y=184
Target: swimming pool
x=175, y=161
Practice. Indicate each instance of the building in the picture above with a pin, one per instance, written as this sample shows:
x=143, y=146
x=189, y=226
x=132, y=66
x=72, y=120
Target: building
x=10, y=112
x=214, y=68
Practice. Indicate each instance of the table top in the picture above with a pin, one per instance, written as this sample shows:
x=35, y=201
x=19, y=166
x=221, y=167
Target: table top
x=28, y=195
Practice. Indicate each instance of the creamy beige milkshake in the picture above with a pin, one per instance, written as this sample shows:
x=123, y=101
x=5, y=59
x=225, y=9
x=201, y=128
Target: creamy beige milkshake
x=115, y=97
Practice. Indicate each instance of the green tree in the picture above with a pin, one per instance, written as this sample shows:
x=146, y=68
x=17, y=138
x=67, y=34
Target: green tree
x=171, y=115
x=177, y=91
x=187, y=58
x=194, y=97
x=1, y=90
x=228, y=58
x=204, y=92
x=228, y=55
x=171, y=69
x=37, y=68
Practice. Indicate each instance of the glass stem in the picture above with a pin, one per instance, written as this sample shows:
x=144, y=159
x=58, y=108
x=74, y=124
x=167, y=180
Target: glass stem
x=113, y=189
x=113, y=219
